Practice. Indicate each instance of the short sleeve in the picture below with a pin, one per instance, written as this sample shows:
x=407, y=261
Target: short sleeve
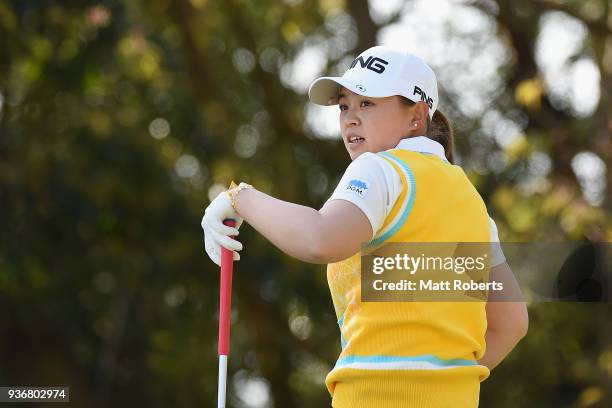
x=497, y=255
x=370, y=183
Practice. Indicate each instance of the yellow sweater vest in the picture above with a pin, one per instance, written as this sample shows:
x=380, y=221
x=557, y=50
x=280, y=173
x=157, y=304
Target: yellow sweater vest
x=413, y=354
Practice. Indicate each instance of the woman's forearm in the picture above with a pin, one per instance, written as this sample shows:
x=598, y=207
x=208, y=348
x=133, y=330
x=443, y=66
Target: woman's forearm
x=499, y=344
x=293, y=228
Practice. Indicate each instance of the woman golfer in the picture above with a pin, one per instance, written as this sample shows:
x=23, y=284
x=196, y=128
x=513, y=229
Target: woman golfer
x=400, y=187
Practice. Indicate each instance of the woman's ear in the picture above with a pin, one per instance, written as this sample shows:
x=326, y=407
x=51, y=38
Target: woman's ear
x=421, y=111
x=420, y=114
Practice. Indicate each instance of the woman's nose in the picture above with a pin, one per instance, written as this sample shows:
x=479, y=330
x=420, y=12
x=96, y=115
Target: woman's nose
x=351, y=119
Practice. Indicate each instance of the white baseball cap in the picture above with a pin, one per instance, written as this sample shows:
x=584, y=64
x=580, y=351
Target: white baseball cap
x=379, y=72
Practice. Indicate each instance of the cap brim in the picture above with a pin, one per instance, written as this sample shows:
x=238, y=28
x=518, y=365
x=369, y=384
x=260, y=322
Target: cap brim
x=324, y=90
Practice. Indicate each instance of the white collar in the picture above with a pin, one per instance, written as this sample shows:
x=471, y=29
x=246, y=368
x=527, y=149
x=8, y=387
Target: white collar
x=422, y=144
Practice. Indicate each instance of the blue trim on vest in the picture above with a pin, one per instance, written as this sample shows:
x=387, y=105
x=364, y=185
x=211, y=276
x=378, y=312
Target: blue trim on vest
x=427, y=358
x=342, y=340
x=407, y=210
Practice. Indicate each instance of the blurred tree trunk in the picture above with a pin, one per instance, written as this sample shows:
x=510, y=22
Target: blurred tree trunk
x=366, y=28
x=520, y=20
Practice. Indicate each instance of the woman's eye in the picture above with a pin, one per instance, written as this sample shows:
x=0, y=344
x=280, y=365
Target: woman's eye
x=343, y=107
x=366, y=103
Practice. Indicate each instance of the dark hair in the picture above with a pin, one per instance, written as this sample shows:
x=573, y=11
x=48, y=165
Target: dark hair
x=439, y=129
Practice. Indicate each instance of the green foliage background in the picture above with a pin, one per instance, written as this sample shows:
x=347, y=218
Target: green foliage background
x=104, y=283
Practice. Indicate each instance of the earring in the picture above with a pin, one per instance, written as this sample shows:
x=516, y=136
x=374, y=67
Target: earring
x=416, y=124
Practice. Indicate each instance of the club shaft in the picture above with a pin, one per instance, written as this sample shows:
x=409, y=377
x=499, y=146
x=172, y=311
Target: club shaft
x=222, y=381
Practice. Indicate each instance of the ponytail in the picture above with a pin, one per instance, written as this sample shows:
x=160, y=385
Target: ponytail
x=439, y=129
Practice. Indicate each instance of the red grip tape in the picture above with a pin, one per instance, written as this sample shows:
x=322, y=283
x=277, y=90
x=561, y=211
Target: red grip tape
x=225, y=295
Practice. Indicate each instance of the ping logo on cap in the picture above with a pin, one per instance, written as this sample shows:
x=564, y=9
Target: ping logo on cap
x=372, y=63
x=424, y=97
x=359, y=187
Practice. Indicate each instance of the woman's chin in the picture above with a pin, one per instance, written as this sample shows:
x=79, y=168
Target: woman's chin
x=356, y=151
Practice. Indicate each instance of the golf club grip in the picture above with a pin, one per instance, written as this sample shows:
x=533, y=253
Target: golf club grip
x=225, y=295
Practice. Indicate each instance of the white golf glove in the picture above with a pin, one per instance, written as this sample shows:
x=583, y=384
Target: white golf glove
x=216, y=234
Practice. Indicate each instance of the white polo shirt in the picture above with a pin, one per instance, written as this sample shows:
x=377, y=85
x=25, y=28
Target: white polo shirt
x=383, y=186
